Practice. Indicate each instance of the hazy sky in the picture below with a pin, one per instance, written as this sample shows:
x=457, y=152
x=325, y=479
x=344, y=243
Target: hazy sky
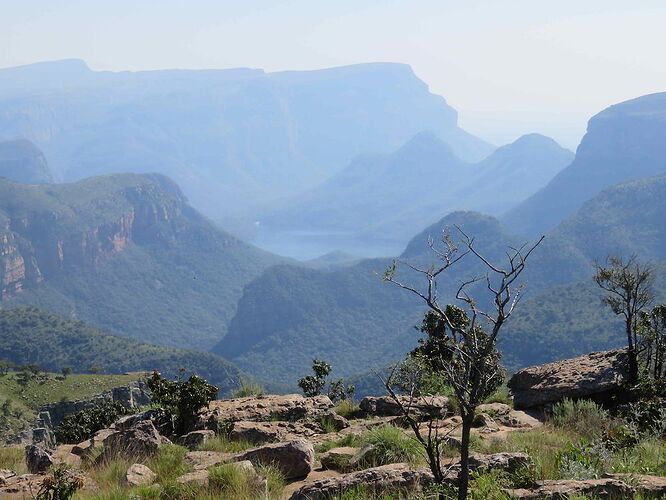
x=508, y=67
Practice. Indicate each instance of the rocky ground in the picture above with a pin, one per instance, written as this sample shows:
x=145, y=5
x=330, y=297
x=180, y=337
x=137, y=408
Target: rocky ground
x=300, y=448
x=315, y=450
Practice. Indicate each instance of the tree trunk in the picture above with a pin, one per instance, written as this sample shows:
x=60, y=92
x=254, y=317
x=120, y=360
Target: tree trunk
x=463, y=478
x=632, y=351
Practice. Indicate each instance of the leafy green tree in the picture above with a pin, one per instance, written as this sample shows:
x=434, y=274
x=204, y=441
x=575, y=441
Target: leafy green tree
x=628, y=287
x=66, y=371
x=461, y=340
x=182, y=399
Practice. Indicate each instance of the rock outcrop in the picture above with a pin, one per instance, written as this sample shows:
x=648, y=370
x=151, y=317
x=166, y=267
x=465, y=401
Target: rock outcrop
x=598, y=375
x=422, y=407
x=139, y=441
x=37, y=459
x=562, y=489
x=393, y=477
x=294, y=459
x=290, y=407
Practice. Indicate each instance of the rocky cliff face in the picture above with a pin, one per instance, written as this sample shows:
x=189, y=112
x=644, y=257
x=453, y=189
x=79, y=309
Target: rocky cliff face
x=22, y=161
x=622, y=143
x=37, y=242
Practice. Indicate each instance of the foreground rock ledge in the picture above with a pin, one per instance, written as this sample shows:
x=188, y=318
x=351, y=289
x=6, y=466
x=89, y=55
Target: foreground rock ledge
x=393, y=477
x=562, y=489
x=598, y=375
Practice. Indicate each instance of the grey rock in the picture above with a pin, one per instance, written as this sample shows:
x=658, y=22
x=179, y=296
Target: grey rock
x=393, y=477
x=294, y=459
x=37, y=459
x=598, y=375
x=139, y=475
x=139, y=441
x=422, y=407
x=195, y=439
x=563, y=489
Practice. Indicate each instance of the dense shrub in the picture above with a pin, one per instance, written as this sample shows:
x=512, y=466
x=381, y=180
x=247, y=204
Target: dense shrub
x=582, y=416
x=389, y=444
x=83, y=424
x=183, y=399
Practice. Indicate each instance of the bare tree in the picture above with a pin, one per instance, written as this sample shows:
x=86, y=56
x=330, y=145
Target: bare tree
x=463, y=338
x=629, y=291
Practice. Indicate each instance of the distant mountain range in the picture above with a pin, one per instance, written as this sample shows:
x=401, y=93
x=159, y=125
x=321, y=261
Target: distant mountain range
x=22, y=161
x=126, y=253
x=623, y=142
x=351, y=318
x=387, y=197
x=232, y=139
x=363, y=150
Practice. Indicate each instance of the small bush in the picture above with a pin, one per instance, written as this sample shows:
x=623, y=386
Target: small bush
x=83, y=424
x=60, y=484
x=232, y=481
x=584, y=417
x=583, y=462
x=390, y=445
x=347, y=408
x=169, y=463
x=248, y=388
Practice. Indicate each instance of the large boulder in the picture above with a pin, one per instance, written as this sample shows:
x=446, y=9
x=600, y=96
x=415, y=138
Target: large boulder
x=394, y=478
x=598, y=375
x=291, y=407
x=139, y=441
x=196, y=439
x=294, y=459
x=564, y=488
x=504, y=415
x=421, y=407
x=273, y=432
x=37, y=459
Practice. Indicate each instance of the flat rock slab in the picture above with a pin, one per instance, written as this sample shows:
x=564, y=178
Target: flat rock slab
x=290, y=407
x=393, y=477
x=422, y=407
x=653, y=485
x=272, y=432
x=563, y=489
x=598, y=374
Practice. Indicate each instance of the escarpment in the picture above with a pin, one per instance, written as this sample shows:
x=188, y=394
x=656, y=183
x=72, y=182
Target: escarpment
x=58, y=230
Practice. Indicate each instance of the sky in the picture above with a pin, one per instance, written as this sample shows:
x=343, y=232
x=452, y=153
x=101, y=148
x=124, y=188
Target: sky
x=508, y=67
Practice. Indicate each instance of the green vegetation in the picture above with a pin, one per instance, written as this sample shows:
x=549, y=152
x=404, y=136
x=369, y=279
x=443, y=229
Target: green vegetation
x=223, y=444
x=175, y=282
x=248, y=388
x=181, y=399
x=313, y=385
x=81, y=425
x=389, y=444
x=29, y=335
x=13, y=458
x=583, y=417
